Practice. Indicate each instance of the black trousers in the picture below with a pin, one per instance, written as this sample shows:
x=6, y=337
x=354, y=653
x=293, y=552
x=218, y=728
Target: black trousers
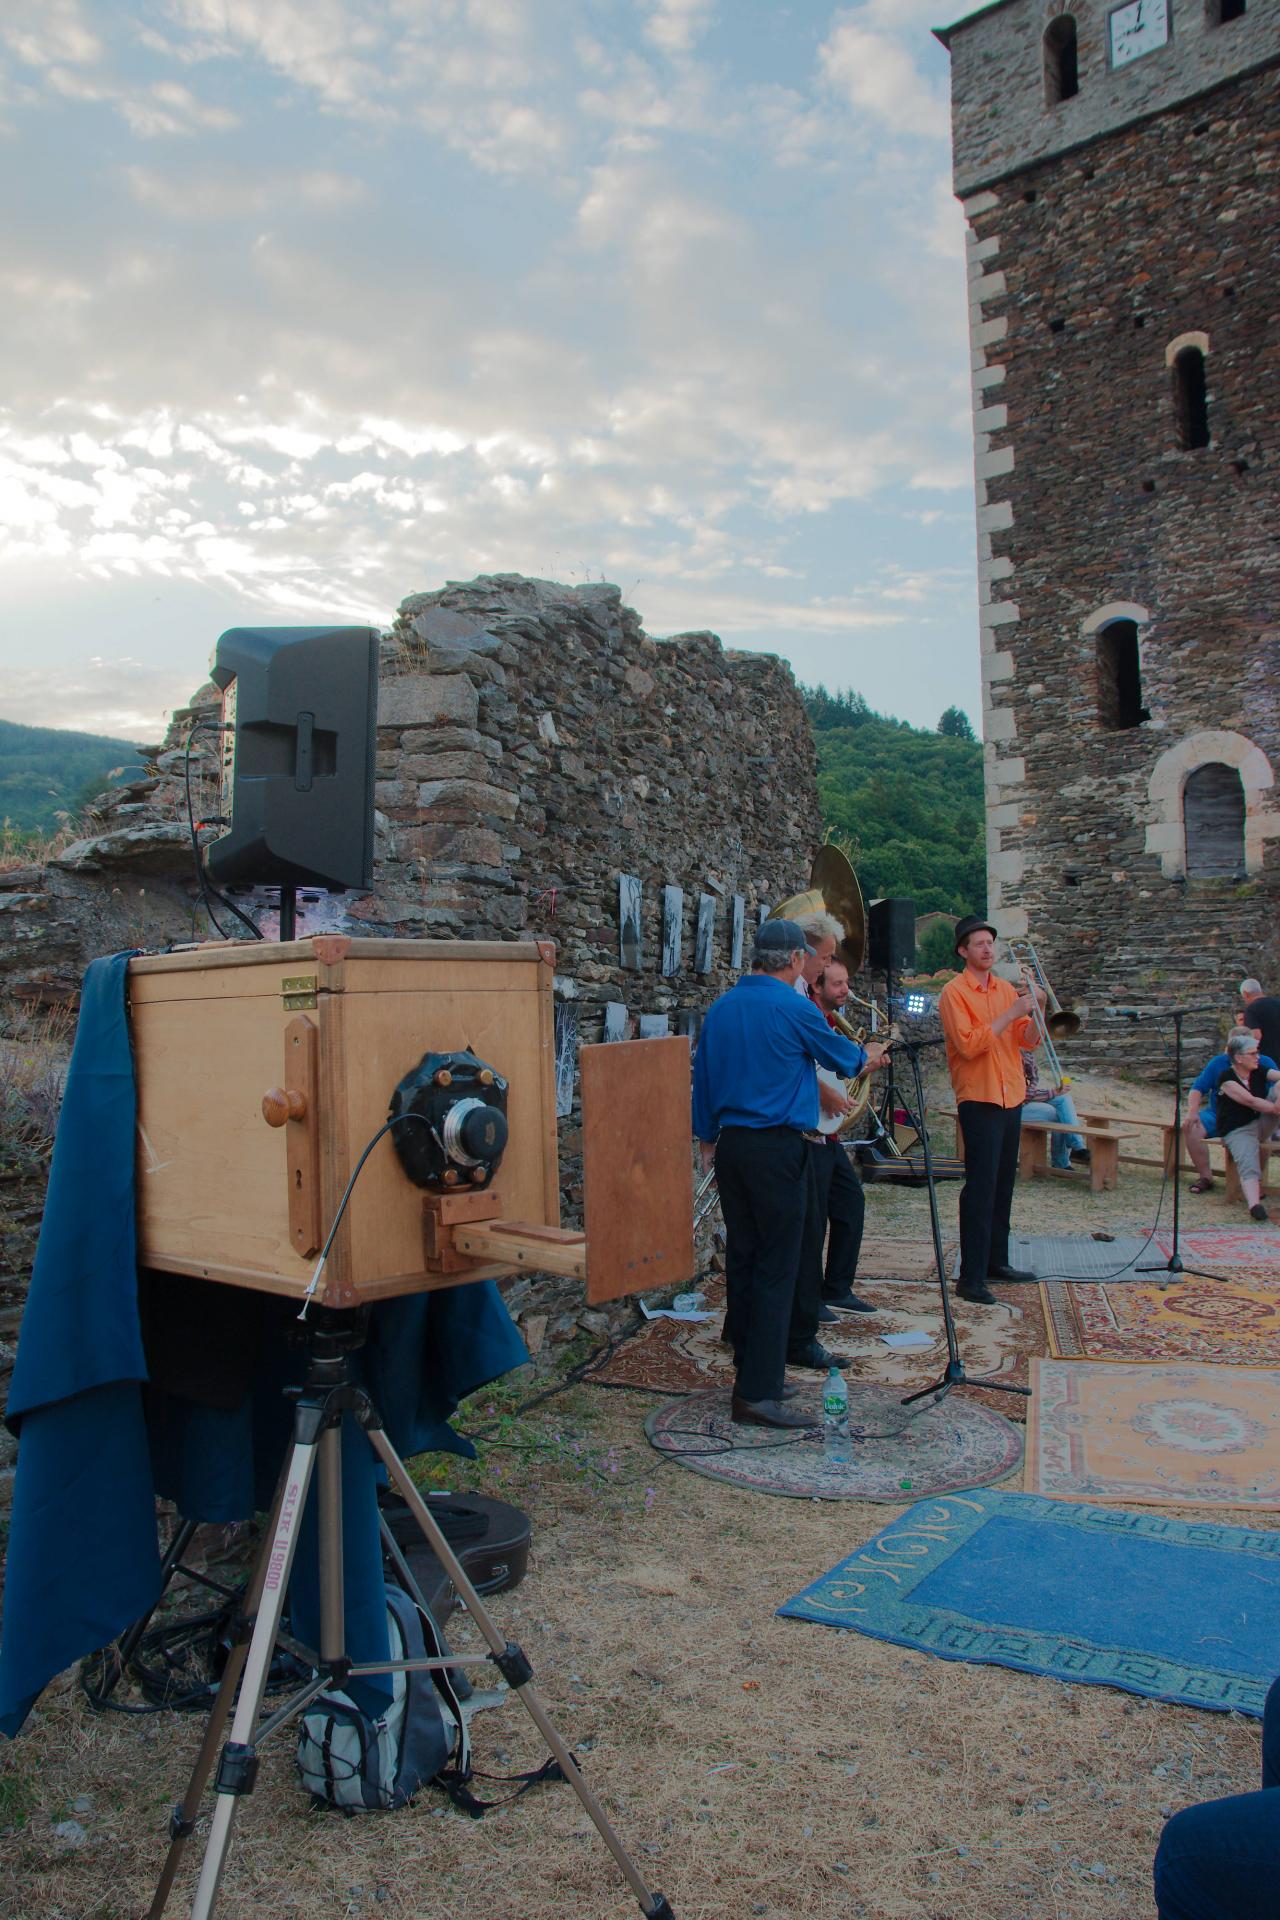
x=991, y=1137
x=833, y=1219
x=763, y=1178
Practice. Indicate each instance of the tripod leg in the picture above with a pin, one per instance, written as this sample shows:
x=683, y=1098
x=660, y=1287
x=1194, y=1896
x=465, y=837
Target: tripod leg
x=238, y=1764
x=514, y=1667
x=183, y=1820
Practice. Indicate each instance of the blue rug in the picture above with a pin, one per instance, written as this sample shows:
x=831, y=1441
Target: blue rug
x=1175, y=1610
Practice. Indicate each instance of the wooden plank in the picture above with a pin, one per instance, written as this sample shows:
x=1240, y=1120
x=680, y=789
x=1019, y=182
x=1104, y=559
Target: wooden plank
x=302, y=1136
x=567, y=1254
x=637, y=1166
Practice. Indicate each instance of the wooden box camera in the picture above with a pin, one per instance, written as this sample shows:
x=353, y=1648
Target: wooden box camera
x=264, y=1070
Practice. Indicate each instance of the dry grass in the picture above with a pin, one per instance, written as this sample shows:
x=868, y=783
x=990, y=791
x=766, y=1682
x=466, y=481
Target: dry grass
x=755, y=1766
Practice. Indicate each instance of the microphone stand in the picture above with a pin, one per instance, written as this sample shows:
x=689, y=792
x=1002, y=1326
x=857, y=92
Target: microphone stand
x=953, y=1374
x=1173, y=1268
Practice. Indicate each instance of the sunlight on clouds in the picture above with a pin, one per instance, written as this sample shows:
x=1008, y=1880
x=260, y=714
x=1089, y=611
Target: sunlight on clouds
x=874, y=69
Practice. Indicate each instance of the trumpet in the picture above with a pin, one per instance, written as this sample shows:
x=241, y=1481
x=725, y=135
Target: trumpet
x=1053, y=1020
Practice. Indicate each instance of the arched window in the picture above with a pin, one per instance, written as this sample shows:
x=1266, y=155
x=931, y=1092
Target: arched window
x=1218, y=12
x=1213, y=822
x=1119, y=676
x=1061, y=61
x=1190, y=399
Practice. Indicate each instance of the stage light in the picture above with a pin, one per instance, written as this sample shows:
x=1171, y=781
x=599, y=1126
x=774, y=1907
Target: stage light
x=917, y=1005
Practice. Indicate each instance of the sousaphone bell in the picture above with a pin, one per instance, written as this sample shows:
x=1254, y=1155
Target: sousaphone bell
x=833, y=888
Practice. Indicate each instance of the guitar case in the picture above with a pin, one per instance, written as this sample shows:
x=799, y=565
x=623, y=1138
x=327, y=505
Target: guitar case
x=490, y=1538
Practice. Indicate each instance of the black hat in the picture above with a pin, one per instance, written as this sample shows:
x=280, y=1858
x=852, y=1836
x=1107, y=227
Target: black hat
x=972, y=923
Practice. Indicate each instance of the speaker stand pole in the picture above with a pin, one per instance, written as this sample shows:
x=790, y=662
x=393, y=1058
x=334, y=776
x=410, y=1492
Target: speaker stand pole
x=288, y=913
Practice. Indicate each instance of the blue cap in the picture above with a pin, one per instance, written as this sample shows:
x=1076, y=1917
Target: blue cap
x=782, y=936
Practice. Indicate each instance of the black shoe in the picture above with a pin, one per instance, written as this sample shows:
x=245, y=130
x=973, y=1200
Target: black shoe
x=979, y=1295
x=849, y=1302
x=1259, y=1212
x=770, y=1413
x=819, y=1359
x=825, y=1316
x=1081, y=1156
x=1011, y=1273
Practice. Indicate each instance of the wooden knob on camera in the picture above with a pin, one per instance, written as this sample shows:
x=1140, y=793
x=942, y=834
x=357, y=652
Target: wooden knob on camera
x=280, y=1104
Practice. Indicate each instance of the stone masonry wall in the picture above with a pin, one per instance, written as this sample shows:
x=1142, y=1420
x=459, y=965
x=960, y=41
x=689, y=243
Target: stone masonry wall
x=533, y=744
x=999, y=120
x=1086, y=272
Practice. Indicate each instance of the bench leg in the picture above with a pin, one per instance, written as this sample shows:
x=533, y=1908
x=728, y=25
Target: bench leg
x=1172, y=1151
x=959, y=1142
x=1033, y=1153
x=1104, y=1165
x=1234, y=1190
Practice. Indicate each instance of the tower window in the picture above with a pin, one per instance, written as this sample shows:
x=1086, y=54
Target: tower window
x=1061, y=60
x=1218, y=12
x=1213, y=820
x=1119, y=677
x=1190, y=399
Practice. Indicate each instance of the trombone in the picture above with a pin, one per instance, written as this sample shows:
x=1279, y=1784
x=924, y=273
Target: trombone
x=1053, y=1020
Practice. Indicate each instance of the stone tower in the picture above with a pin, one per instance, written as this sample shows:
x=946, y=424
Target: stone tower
x=1119, y=168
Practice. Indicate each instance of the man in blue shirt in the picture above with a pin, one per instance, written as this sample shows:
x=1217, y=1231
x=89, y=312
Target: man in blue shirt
x=1201, y=1123
x=755, y=1099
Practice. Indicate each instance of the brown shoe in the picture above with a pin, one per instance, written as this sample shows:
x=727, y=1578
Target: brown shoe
x=770, y=1413
x=1203, y=1185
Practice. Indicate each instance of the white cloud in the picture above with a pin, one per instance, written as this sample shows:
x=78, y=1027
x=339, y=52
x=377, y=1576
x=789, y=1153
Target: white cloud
x=870, y=62
x=675, y=26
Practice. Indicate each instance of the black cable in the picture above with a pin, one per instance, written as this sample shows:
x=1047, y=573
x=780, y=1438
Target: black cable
x=208, y=892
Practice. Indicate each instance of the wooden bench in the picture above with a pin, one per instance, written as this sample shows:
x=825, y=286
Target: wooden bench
x=1103, y=1143
x=1173, y=1151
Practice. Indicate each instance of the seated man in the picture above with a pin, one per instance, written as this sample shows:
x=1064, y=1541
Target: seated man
x=1248, y=1108
x=1047, y=1105
x=1221, y=1860
x=1201, y=1123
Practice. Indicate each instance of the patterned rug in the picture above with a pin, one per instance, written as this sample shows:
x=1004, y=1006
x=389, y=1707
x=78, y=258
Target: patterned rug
x=1180, y=1435
x=672, y=1356
x=1154, y=1606
x=899, y=1452
x=1234, y=1322
x=1255, y=1246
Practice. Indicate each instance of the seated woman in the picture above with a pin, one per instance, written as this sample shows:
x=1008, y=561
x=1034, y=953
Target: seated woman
x=1247, y=1108
x=1046, y=1104
x=1221, y=1860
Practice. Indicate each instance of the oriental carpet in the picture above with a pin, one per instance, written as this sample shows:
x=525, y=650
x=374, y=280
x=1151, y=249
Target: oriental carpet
x=1159, y=1435
x=1234, y=1322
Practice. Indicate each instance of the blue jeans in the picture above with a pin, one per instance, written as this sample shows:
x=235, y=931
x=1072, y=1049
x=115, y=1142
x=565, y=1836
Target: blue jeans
x=1062, y=1107
x=1221, y=1860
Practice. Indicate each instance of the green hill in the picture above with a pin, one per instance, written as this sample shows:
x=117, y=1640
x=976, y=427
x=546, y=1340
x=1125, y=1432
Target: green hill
x=45, y=771
x=907, y=803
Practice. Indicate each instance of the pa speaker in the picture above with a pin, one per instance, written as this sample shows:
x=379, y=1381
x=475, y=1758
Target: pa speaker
x=891, y=936
x=300, y=716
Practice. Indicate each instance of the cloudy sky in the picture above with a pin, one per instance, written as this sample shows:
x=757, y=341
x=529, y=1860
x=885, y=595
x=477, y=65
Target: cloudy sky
x=306, y=305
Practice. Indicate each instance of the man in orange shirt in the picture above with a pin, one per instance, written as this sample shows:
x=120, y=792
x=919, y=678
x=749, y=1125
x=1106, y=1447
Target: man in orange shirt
x=987, y=1024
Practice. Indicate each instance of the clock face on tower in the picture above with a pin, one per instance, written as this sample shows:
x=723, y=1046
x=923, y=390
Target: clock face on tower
x=1138, y=28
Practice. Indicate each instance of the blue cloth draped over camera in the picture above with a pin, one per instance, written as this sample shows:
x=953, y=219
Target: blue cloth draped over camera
x=96, y=1445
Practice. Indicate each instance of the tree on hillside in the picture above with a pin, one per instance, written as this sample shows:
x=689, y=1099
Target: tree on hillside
x=955, y=725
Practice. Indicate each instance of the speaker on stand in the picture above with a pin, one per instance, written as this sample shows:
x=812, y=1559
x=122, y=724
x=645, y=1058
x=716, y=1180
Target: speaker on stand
x=891, y=950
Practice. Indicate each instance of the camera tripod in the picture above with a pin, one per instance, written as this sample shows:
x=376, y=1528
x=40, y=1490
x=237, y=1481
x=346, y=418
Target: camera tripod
x=328, y=1393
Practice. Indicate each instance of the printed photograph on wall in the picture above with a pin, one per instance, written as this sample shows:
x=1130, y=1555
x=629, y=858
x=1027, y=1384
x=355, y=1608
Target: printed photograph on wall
x=689, y=1021
x=735, y=931
x=566, y=1055
x=629, y=947
x=672, y=928
x=703, y=945
x=615, y=1021
x=654, y=1026
x=762, y=912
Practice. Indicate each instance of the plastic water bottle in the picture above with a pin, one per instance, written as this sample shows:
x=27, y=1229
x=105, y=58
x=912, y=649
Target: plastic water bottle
x=836, y=1444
